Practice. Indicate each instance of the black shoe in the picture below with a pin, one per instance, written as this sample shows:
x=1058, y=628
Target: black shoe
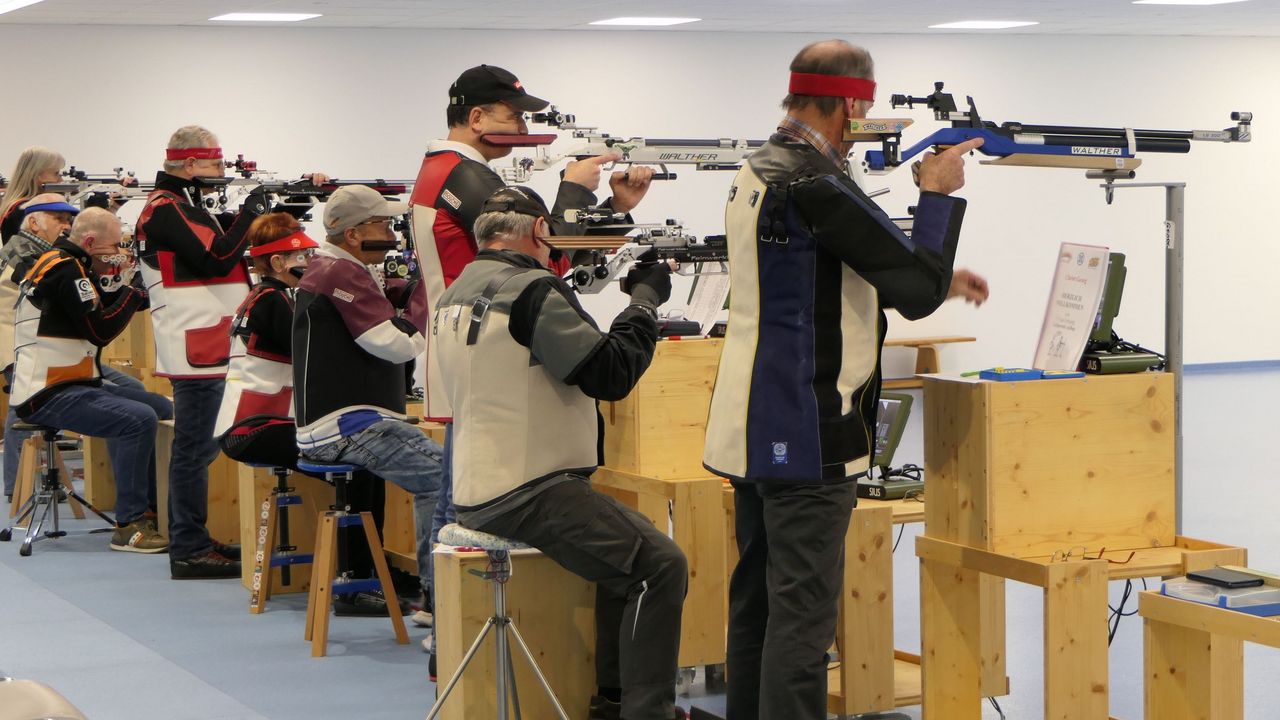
x=202, y=567
x=431, y=668
x=230, y=552
x=603, y=708
x=371, y=603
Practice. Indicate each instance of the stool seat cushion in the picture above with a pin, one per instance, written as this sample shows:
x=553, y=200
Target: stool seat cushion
x=323, y=467
x=458, y=536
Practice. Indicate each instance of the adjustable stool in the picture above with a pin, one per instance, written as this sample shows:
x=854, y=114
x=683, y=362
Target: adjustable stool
x=44, y=498
x=499, y=572
x=324, y=584
x=273, y=548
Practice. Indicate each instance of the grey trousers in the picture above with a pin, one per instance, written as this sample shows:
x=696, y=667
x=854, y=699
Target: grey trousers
x=783, y=598
x=641, y=577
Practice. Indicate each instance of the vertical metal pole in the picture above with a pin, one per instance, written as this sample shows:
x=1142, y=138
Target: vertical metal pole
x=500, y=614
x=1174, y=214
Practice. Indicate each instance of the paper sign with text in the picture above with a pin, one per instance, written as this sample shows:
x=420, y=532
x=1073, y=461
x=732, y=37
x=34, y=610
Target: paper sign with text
x=1078, y=280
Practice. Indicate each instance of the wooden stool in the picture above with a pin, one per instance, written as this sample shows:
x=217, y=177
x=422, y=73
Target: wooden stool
x=324, y=584
x=273, y=548
x=43, y=500
x=499, y=551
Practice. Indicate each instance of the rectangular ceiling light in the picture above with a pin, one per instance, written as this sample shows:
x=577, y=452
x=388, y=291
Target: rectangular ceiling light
x=1185, y=2
x=264, y=17
x=11, y=5
x=646, y=21
x=983, y=25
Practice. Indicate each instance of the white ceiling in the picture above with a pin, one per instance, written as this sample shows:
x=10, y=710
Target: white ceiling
x=845, y=17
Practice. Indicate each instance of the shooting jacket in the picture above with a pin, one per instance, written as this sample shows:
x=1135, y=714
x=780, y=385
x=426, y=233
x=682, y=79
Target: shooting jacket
x=350, y=346
x=523, y=377
x=63, y=320
x=814, y=262
x=260, y=375
x=197, y=277
x=452, y=185
x=20, y=250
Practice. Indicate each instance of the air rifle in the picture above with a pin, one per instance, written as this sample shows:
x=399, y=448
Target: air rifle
x=1110, y=153
x=703, y=154
x=85, y=189
x=297, y=196
x=668, y=242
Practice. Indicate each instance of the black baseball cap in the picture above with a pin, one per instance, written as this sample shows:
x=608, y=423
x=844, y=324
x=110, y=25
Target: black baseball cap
x=518, y=199
x=486, y=84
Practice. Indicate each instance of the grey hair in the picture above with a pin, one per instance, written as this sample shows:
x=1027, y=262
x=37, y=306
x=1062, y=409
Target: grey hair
x=190, y=136
x=93, y=221
x=828, y=57
x=503, y=226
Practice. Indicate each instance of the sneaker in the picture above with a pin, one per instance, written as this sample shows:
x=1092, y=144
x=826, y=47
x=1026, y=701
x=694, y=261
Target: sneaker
x=366, y=603
x=208, y=566
x=138, y=536
x=422, y=618
x=230, y=552
x=603, y=708
x=429, y=644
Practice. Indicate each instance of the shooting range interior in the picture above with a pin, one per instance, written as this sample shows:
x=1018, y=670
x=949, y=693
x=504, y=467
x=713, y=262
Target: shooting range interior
x=361, y=90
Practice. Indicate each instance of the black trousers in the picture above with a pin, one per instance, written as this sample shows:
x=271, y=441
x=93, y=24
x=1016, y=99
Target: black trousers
x=783, y=598
x=641, y=578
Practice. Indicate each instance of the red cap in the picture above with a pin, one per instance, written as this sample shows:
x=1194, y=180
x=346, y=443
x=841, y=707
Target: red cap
x=296, y=241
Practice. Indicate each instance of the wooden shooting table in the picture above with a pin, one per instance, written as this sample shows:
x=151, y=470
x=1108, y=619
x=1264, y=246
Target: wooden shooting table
x=926, y=358
x=1061, y=484
x=1194, y=657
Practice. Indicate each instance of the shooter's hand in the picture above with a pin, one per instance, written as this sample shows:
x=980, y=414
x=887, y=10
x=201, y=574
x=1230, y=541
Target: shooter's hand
x=630, y=187
x=587, y=172
x=944, y=172
x=970, y=286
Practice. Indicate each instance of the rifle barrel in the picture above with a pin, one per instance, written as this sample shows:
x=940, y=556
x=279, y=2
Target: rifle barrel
x=1098, y=131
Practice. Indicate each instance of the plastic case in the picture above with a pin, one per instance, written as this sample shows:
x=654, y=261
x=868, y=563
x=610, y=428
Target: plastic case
x=1263, y=600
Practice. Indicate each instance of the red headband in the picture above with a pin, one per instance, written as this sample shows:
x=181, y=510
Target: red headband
x=832, y=86
x=296, y=241
x=212, y=153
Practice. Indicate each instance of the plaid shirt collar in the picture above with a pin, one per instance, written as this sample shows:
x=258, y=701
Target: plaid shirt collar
x=799, y=130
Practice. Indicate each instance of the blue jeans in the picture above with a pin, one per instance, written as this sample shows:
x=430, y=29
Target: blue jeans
x=127, y=417
x=444, y=514
x=13, y=439
x=195, y=404
x=396, y=452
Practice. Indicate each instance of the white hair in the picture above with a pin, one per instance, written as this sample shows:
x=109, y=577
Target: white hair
x=503, y=226
x=191, y=136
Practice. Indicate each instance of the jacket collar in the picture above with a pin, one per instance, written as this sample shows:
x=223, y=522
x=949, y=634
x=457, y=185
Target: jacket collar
x=462, y=149
x=75, y=251
x=510, y=257
x=175, y=184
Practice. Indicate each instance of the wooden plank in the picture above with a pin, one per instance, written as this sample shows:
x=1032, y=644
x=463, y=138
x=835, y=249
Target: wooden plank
x=864, y=633
x=995, y=671
x=659, y=430
x=906, y=683
x=1191, y=674
x=1024, y=571
x=1075, y=641
x=558, y=626
x=950, y=646
x=1218, y=621
x=99, y=477
x=1083, y=162
x=696, y=528
x=1082, y=462
x=936, y=340
x=956, y=455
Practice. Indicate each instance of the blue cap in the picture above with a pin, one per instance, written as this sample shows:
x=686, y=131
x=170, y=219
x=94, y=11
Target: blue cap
x=59, y=206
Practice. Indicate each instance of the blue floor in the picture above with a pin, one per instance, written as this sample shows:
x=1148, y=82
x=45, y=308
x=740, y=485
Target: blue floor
x=122, y=641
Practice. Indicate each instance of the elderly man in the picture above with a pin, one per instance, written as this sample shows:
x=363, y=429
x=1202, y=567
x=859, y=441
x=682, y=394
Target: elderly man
x=64, y=320
x=792, y=416
x=351, y=342
x=524, y=366
x=194, y=267
x=45, y=218
x=486, y=115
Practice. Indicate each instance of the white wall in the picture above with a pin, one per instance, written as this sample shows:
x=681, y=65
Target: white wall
x=363, y=103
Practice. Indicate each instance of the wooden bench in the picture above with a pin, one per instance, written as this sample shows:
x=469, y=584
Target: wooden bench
x=926, y=358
